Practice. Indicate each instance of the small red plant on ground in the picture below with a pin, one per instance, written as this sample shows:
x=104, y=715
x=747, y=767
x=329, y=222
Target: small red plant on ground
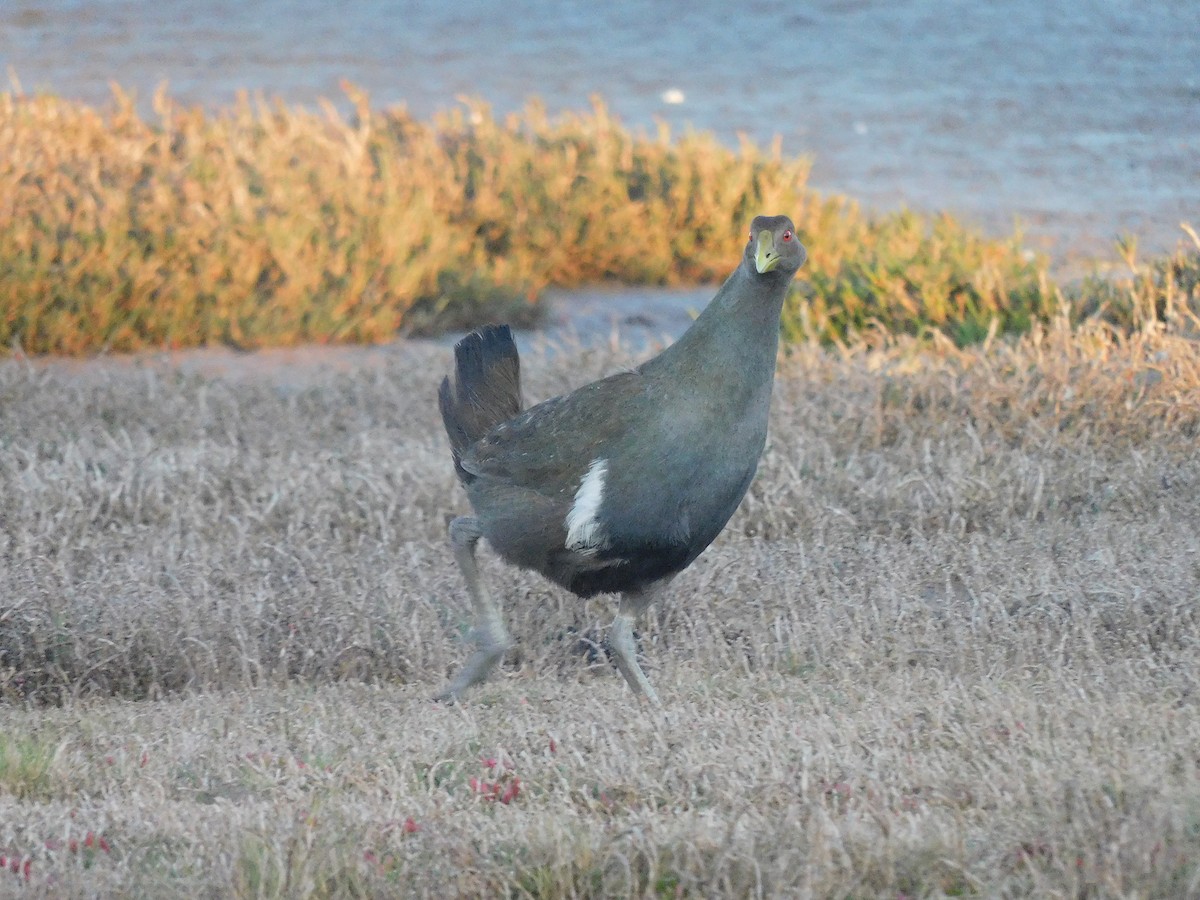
x=16, y=866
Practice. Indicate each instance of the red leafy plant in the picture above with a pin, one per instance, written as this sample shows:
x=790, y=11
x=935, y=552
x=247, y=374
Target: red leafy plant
x=504, y=789
x=15, y=865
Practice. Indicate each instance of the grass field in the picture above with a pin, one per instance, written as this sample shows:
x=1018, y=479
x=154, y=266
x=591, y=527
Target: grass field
x=948, y=646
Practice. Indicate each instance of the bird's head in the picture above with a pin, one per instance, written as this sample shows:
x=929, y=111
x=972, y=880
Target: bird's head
x=774, y=247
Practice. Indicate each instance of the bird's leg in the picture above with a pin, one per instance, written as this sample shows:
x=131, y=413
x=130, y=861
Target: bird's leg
x=491, y=637
x=624, y=650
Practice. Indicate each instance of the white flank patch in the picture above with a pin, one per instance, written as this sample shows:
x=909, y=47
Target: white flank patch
x=583, y=526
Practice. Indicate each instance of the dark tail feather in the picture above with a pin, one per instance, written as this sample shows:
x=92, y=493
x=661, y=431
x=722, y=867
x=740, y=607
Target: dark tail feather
x=485, y=391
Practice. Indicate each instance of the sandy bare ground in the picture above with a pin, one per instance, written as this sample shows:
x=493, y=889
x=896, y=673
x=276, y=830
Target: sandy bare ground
x=948, y=646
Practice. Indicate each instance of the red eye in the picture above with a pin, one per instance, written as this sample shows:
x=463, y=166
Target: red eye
x=787, y=236
x=752, y=235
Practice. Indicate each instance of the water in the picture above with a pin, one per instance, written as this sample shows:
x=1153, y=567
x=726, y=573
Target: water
x=1081, y=118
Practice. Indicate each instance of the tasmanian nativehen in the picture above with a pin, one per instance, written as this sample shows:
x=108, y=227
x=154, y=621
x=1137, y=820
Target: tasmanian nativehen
x=618, y=486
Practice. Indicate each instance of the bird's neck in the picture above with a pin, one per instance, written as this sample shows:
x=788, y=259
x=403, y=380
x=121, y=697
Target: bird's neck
x=736, y=337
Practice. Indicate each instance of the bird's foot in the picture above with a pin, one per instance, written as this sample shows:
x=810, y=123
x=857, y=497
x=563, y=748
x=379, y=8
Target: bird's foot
x=638, y=681
x=483, y=660
x=624, y=654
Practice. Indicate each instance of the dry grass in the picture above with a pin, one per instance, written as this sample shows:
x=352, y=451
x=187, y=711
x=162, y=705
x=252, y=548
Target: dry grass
x=949, y=645
x=270, y=225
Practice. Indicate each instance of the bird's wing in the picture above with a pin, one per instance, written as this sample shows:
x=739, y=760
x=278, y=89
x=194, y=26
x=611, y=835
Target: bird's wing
x=549, y=447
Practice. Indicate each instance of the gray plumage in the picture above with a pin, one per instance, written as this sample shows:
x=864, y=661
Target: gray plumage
x=621, y=484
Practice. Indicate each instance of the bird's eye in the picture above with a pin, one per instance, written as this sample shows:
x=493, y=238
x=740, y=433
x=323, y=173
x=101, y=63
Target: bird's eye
x=752, y=235
x=787, y=236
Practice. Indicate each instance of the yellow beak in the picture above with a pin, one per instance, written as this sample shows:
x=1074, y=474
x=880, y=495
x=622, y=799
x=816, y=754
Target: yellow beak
x=765, y=257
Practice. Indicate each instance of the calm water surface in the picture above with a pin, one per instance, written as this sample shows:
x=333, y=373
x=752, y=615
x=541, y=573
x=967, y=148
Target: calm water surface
x=1081, y=118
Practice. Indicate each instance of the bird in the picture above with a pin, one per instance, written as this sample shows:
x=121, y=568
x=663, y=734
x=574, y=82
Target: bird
x=618, y=486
